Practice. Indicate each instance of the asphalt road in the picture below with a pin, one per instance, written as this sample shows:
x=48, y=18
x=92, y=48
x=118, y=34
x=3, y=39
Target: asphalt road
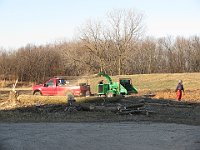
x=99, y=136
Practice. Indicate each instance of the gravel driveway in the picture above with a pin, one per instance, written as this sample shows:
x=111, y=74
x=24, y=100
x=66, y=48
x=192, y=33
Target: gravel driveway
x=99, y=136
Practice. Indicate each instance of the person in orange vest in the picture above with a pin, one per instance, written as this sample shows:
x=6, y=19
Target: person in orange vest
x=179, y=90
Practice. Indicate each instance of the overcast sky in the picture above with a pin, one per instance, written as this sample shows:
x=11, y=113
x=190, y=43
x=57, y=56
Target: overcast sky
x=44, y=21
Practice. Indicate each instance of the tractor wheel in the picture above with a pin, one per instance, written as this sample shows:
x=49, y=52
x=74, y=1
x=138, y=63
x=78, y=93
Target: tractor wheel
x=37, y=93
x=110, y=94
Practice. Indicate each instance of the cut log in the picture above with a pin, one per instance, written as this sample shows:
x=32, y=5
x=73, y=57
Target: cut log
x=130, y=112
x=135, y=106
x=170, y=105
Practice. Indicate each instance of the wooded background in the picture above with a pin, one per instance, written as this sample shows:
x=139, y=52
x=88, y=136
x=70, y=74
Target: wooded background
x=117, y=45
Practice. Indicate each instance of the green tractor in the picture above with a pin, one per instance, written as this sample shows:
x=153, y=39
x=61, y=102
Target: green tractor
x=111, y=89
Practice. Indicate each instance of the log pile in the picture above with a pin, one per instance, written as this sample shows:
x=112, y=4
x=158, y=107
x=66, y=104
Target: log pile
x=119, y=109
x=135, y=109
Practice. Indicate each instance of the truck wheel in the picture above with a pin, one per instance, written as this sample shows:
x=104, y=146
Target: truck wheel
x=109, y=94
x=37, y=93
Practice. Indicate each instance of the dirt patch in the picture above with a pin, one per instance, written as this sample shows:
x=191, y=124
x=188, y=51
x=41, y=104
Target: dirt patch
x=101, y=109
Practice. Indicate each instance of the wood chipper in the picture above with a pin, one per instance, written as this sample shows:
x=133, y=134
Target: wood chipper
x=122, y=87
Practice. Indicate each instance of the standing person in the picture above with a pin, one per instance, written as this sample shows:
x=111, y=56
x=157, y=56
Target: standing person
x=179, y=90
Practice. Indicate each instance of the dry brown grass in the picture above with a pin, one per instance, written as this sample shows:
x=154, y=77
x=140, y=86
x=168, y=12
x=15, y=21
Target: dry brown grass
x=188, y=95
x=156, y=82
x=35, y=99
x=163, y=85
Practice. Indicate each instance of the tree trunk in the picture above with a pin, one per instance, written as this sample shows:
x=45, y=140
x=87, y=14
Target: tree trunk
x=119, y=65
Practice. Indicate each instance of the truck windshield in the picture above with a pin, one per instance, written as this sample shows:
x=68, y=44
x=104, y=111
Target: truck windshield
x=49, y=83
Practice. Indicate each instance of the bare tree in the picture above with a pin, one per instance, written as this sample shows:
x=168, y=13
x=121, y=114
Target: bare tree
x=94, y=39
x=116, y=35
x=195, y=53
x=125, y=27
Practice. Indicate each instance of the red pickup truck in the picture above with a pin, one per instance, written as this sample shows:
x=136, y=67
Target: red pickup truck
x=60, y=87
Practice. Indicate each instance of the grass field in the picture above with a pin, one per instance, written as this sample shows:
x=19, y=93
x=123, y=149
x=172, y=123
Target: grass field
x=143, y=82
x=163, y=85
x=156, y=82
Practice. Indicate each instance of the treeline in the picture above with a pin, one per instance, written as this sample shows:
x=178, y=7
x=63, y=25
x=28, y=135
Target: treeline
x=34, y=63
x=115, y=47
